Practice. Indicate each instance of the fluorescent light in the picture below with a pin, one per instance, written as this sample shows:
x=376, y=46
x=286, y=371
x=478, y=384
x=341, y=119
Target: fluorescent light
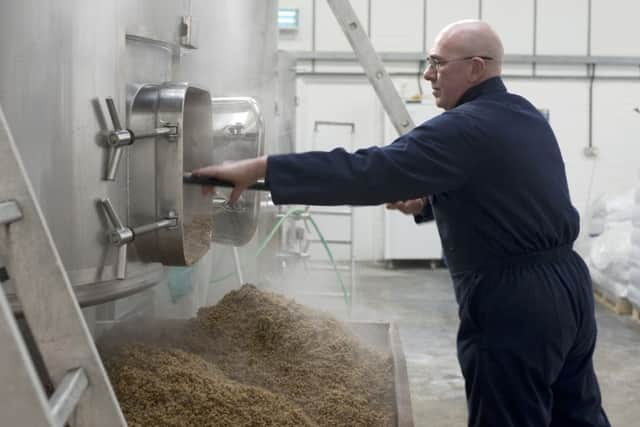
x=288, y=19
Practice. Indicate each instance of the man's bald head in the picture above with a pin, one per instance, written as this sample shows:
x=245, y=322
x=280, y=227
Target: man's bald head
x=473, y=38
x=464, y=54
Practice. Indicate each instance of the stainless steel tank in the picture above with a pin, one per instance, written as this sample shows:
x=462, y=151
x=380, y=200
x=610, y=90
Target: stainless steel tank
x=62, y=58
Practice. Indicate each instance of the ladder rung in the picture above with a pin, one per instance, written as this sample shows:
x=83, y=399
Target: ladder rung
x=334, y=213
x=67, y=395
x=333, y=241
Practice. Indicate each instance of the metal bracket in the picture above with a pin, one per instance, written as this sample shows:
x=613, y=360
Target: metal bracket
x=187, y=34
x=10, y=212
x=120, y=137
x=590, y=151
x=121, y=234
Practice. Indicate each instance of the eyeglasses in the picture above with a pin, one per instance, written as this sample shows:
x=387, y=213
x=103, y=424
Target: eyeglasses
x=435, y=63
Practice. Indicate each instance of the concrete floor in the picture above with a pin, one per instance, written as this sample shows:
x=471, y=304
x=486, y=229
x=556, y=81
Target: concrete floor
x=421, y=302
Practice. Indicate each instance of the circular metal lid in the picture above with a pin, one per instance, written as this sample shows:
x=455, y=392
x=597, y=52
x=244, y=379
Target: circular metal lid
x=156, y=170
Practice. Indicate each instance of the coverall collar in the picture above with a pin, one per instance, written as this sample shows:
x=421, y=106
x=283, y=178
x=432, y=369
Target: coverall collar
x=492, y=85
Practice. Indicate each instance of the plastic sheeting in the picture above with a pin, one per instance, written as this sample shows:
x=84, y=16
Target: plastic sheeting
x=634, y=257
x=609, y=259
x=614, y=245
x=607, y=211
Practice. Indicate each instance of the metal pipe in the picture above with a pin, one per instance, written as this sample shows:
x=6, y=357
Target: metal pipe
x=505, y=76
x=155, y=132
x=508, y=59
x=535, y=35
x=590, y=151
x=159, y=225
x=67, y=395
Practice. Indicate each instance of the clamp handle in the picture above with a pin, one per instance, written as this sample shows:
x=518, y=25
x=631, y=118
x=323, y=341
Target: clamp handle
x=119, y=236
x=118, y=138
x=111, y=106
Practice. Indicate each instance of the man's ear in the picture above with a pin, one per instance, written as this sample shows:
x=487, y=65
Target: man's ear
x=477, y=71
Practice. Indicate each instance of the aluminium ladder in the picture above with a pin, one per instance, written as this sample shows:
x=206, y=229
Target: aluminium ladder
x=372, y=65
x=344, y=212
x=30, y=263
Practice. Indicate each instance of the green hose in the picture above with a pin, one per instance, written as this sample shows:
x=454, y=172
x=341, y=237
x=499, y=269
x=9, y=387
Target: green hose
x=290, y=212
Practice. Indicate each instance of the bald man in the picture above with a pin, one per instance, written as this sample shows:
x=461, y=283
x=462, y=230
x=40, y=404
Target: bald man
x=489, y=170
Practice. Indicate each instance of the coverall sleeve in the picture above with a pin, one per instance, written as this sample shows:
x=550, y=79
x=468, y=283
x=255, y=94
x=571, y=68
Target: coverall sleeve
x=434, y=157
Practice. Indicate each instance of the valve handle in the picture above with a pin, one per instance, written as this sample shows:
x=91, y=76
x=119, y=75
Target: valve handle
x=111, y=106
x=111, y=213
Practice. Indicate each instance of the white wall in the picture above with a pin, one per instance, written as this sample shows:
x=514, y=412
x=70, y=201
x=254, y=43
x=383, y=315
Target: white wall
x=542, y=27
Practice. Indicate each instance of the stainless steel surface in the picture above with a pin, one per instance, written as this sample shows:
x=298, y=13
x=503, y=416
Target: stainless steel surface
x=140, y=276
x=9, y=212
x=386, y=338
x=237, y=53
x=59, y=63
x=238, y=133
x=59, y=120
x=238, y=266
x=65, y=399
x=286, y=101
x=372, y=65
x=156, y=172
x=48, y=302
x=171, y=47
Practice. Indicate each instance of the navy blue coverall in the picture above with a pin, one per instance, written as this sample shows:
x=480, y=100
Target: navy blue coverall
x=497, y=187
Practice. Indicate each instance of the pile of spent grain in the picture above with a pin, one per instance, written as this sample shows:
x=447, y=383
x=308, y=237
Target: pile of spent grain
x=264, y=342
x=163, y=387
x=272, y=342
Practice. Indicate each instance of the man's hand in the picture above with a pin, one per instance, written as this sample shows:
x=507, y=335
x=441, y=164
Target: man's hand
x=242, y=173
x=409, y=207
